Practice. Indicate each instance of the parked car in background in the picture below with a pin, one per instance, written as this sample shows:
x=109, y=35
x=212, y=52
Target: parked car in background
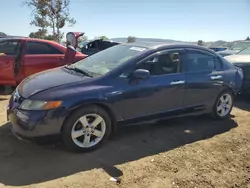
x=218, y=49
x=11, y=36
x=93, y=46
x=242, y=60
x=3, y=35
x=22, y=57
x=238, y=46
x=128, y=83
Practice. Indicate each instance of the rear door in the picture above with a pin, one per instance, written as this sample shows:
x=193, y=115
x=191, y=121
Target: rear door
x=204, y=78
x=9, y=50
x=40, y=56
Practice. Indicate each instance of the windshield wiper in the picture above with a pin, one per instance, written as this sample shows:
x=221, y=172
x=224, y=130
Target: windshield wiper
x=70, y=67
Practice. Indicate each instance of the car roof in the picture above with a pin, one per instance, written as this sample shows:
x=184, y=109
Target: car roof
x=10, y=37
x=27, y=39
x=99, y=39
x=53, y=43
x=33, y=39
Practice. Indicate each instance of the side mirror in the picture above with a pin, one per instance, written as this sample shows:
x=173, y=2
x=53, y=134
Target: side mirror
x=141, y=74
x=72, y=38
x=72, y=44
x=70, y=54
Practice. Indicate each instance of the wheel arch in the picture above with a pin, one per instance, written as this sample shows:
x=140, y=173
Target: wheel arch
x=234, y=93
x=224, y=90
x=100, y=105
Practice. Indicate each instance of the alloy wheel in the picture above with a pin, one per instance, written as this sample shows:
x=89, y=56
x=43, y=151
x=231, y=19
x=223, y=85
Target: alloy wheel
x=224, y=105
x=88, y=130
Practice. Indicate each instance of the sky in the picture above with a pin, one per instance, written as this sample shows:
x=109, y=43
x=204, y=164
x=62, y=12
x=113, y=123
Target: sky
x=187, y=20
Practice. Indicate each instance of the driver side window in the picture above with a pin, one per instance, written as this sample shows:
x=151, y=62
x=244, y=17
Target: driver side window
x=9, y=47
x=168, y=63
x=162, y=64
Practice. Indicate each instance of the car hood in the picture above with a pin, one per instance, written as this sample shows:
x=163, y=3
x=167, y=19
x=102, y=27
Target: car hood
x=235, y=59
x=47, y=80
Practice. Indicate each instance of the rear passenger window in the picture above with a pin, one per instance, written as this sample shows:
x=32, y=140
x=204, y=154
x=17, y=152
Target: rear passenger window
x=198, y=61
x=218, y=63
x=41, y=48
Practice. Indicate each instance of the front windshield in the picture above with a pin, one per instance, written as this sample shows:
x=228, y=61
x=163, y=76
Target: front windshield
x=107, y=60
x=240, y=45
x=246, y=51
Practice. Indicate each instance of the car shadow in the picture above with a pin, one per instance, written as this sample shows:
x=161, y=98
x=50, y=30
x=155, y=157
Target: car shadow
x=26, y=163
x=242, y=102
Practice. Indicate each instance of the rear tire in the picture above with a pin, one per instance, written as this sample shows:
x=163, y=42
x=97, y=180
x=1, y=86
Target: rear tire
x=223, y=105
x=86, y=129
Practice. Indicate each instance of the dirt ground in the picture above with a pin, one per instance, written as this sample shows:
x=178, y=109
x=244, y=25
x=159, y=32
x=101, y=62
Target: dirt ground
x=188, y=152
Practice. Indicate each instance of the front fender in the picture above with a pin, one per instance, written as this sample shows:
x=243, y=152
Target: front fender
x=115, y=116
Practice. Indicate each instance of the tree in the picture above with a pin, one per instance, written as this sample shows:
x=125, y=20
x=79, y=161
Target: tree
x=52, y=14
x=247, y=38
x=40, y=34
x=2, y=34
x=131, y=39
x=200, y=43
x=104, y=38
x=50, y=37
x=82, y=39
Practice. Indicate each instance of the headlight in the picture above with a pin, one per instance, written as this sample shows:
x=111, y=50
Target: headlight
x=39, y=105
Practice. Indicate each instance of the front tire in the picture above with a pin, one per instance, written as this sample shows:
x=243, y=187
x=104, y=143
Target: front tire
x=223, y=105
x=86, y=129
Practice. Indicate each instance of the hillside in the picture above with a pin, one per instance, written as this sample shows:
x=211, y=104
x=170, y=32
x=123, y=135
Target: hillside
x=148, y=40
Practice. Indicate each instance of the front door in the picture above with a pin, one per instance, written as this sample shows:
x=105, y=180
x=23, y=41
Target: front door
x=161, y=94
x=9, y=50
x=204, y=78
x=40, y=56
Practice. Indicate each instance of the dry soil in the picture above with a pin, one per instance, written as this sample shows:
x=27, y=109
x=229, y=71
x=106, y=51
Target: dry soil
x=188, y=152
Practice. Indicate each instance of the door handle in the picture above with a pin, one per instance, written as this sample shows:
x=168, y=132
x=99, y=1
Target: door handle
x=177, y=82
x=216, y=77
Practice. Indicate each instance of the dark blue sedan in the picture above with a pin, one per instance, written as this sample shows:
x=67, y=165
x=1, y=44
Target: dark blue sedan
x=125, y=84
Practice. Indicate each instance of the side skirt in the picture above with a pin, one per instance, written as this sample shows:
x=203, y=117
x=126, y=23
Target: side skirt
x=189, y=111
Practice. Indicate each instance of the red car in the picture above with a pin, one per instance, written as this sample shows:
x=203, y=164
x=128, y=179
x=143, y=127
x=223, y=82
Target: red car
x=22, y=57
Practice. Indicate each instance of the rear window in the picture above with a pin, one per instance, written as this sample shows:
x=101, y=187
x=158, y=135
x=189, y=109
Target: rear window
x=106, y=44
x=197, y=61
